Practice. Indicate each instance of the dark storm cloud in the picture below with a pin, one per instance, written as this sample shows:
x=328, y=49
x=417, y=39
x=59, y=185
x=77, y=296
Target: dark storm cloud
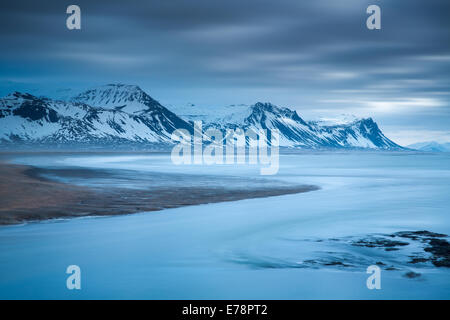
x=313, y=55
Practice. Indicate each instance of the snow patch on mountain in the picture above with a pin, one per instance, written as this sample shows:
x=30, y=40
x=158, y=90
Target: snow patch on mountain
x=121, y=97
x=337, y=120
x=235, y=113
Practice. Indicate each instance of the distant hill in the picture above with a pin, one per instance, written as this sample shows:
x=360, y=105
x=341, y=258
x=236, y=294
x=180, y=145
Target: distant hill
x=431, y=146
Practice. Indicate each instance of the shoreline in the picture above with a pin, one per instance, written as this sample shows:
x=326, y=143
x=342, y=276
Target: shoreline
x=26, y=196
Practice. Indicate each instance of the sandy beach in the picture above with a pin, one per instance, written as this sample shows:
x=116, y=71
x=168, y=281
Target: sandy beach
x=27, y=196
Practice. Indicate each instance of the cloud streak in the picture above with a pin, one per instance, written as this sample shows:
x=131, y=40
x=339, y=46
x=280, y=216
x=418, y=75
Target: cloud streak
x=302, y=54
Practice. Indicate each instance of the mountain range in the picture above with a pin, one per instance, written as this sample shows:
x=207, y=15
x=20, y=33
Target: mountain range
x=431, y=146
x=117, y=114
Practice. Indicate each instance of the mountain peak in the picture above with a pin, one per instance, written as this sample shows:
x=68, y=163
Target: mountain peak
x=368, y=123
x=431, y=146
x=20, y=95
x=128, y=98
x=367, y=120
x=123, y=87
x=265, y=106
x=260, y=108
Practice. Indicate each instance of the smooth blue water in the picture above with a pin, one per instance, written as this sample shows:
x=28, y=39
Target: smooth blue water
x=212, y=251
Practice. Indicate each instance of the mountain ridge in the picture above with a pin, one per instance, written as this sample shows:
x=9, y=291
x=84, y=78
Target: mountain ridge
x=431, y=146
x=125, y=113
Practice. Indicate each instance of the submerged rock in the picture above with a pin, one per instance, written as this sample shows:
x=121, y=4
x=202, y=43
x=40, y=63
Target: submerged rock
x=412, y=275
x=440, y=249
x=423, y=249
x=379, y=243
x=415, y=260
x=419, y=235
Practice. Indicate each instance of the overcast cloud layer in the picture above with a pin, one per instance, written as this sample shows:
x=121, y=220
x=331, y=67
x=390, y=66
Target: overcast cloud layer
x=314, y=56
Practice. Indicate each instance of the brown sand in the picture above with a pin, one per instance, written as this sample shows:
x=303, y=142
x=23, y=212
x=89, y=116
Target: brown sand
x=24, y=196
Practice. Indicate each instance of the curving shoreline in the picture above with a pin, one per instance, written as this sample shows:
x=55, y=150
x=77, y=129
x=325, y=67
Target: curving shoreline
x=27, y=196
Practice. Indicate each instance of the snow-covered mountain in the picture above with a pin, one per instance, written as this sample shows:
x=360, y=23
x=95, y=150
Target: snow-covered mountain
x=120, y=97
x=125, y=113
x=294, y=131
x=24, y=117
x=431, y=146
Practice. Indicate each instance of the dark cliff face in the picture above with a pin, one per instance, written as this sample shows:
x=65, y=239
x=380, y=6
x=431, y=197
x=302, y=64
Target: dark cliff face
x=36, y=110
x=371, y=131
x=31, y=108
x=260, y=111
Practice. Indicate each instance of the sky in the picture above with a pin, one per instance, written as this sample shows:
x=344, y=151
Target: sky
x=314, y=56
